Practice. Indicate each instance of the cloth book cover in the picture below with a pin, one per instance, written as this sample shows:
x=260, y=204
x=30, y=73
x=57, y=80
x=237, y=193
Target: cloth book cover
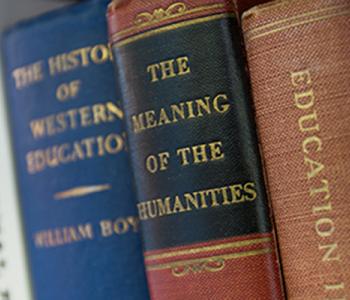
x=74, y=181
x=298, y=54
x=201, y=196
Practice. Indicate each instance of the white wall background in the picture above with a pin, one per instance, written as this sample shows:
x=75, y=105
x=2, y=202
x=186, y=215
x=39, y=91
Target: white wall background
x=13, y=272
x=13, y=10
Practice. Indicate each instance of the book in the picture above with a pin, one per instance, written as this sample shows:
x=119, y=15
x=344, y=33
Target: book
x=74, y=180
x=195, y=158
x=298, y=54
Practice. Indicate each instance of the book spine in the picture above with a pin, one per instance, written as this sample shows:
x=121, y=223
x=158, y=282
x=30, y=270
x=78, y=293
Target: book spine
x=74, y=180
x=298, y=53
x=201, y=197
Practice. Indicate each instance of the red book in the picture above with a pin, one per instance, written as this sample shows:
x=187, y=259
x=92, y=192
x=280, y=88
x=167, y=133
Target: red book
x=195, y=157
x=298, y=53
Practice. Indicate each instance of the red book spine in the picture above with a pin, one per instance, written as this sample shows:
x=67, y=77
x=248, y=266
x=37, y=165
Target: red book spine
x=204, y=213
x=298, y=54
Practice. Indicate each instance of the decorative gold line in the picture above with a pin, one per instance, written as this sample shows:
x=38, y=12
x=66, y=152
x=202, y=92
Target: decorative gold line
x=191, y=11
x=344, y=13
x=116, y=110
x=209, y=259
x=208, y=248
x=251, y=32
x=171, y=27
x=267, y=7
x=207, y=7
x=81, y=191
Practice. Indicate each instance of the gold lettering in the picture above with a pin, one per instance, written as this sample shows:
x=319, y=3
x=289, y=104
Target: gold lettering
x=183, y=65
x=216, y=151
x=114, y=143
x=134, y=223
x=250, y=191
x=138, y=123
x=100, y=54
x=85, y=116
x=213, y=196
x=236, y=193
x=121, y=226
x=184, y=153
x=199, y=154
x=180, y=111
x=142, y=209
x=106, y=228
x=329, y=254
x=322, y=209
x=169, y=69
x=191, y=200
x=304, y=100
x=323, y=189
x=152, y=209
x=79, y=58
x=309, y=140
x=198, y=200
x=38, y=128
x=28, y=75
x=324, y=227
x=150, y=117
x=163, y=160
x=305, y=123
x=225, y=199
x=163, y=118
x=178, y=207
x=164, y=206
x=314, y=167
x=114, y=112
x=203, y=105
x=335, y=286
x=79, y=117
x=62, y=236
x=153, y=70
x=300, y=78
x=223, y=107
x=51, y=157
x=86, y=231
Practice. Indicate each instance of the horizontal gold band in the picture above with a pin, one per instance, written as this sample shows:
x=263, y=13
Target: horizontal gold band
x=208, y=248
x=301, y=16
x=209, y=259
x=265, y=7
x=191, y=11
x=172, y=27
x=329, y=12
x=81, y=191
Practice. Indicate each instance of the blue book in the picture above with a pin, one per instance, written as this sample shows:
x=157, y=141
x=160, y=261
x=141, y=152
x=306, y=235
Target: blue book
x=74, y=182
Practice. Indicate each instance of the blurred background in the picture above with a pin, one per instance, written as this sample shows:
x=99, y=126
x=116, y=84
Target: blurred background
x=13, y=10
x=14, y=279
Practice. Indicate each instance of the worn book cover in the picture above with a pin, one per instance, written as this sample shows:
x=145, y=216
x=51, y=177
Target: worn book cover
x=74, y=180
x=201, y=196
x=298, y=53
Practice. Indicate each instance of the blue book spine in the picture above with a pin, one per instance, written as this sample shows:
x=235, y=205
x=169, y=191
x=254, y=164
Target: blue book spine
x=74, y=181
